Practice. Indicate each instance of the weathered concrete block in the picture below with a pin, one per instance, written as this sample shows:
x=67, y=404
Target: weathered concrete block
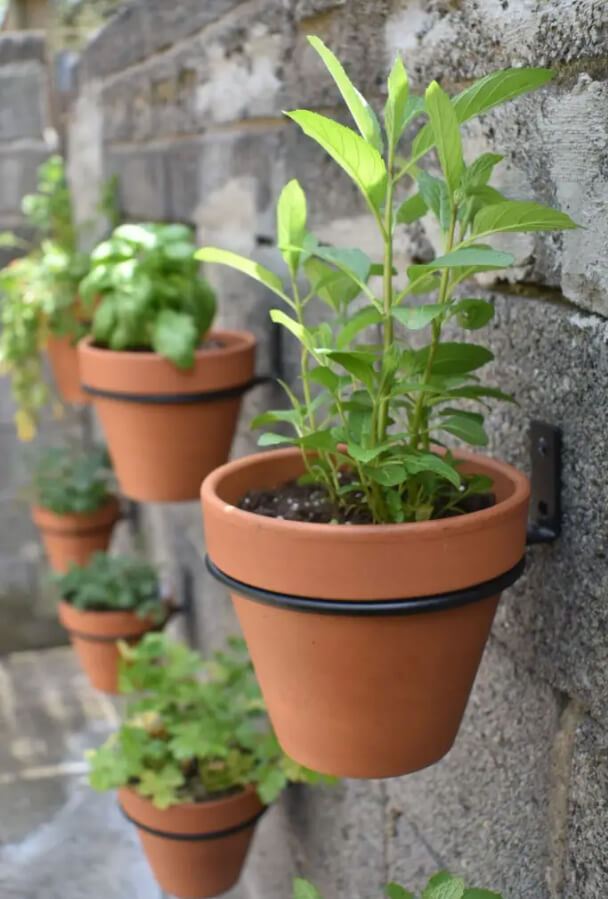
x=482, y=811
x=142, y=179
x=170, y=23
x=18, y=176
x=587, y=860
x=23, y=112
x=19, y=46
x=183, y=170
x=120, y=43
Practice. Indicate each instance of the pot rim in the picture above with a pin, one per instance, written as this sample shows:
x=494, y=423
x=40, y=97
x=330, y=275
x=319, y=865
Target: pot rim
x=461, y=523
x=85, y=624
x=77, y=523
x=233, y=798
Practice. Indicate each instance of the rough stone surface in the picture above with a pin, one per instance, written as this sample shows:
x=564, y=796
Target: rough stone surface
x=22, y=103
x=187, y=108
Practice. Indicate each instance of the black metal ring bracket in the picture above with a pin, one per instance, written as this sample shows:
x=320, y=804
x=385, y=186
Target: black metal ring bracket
x=411, y=606
x=178, y=399
x=195, y=837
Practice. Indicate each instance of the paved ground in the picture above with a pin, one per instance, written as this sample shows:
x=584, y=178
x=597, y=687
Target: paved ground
x=59, y=839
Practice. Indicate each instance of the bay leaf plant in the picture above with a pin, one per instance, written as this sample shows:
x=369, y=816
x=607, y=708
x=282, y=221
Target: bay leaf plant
x=372, y=404
x=195, y=728
x=441, y=886
x=149, y=292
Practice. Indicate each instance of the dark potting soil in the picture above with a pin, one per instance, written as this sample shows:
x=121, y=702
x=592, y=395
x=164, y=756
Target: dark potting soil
x=311, y=503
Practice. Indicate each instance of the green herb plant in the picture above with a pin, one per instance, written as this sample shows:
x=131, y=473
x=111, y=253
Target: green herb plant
x=441, y=886
x=373, y=405
x=152, y=295
x=70, y=479
x=38, y=291
x=113, y=584
x=197, y=730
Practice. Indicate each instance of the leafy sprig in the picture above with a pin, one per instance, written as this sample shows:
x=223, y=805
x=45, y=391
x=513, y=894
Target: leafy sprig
x=69, y=479
x=198, y=729
x=151, y=295
x=372, y=403
x=113, y=584
x=441, y=886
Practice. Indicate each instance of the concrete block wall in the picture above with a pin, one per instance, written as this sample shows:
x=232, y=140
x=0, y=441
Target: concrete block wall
x=184, y=102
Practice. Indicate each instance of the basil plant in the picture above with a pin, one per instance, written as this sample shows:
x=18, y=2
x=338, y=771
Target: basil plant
x=374, y=409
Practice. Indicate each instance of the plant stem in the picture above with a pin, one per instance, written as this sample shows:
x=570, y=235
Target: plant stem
x=419, y=409
x=387, y=320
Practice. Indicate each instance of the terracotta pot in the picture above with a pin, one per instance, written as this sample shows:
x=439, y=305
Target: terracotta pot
x=166, y=428
x=195, y=849
x=365, y=639
x=95, y=636
x=63, y=355
x=73, y=538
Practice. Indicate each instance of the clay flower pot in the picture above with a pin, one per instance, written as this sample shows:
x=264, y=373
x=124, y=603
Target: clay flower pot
x=95, y=636
x=365, y=639
x=63, y=355
x=166, y=429
x=195, y=849
x=74, y=537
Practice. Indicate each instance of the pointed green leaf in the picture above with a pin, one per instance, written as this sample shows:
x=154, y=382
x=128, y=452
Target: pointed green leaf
x=479, y=392
x=446, y=134
x=363, y=319
x=361, y=111
x=465, y=428
x=513, y=215
x=444, y=886
x=335, y=288
x=436, y=196
x=417, y=317
x=468, y=257
x=242, y=264
x=475, y=893
x=454, y=358
x=394, y=891
x=431, y=462
x=354, y=261
x=270, y=439
x=298, y=330
x=291, y=222
x=396, y=109
x=480, y=170
x=360, y=160
x=359, y=367
x=472, y=314
x=411, y=210
x=325, y=377
x=174, y=336
x=303, y=889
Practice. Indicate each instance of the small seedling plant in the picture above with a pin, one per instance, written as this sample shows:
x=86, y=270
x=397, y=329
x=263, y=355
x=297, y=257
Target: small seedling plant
x=197, y=729
x=69, y=480
x=113, y=584
x=151, y=295
x=39, y=290
x=441, y=886
x=374, y=410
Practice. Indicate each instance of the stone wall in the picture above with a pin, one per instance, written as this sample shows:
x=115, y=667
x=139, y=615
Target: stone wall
x=184, y=101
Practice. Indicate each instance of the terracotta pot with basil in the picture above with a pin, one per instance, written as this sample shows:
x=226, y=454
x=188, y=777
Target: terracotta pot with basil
x=109, y=600
x=366, y=559
x=167, y=389
x=206, y=765
x=74, y=508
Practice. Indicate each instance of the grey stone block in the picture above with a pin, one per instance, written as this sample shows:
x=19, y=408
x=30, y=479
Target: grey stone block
x=122, y=42
x=22, y=102
x=482, y=811
x=142, y=177
x=170, y=23
x=587, y=857
x=183, y=167
x=18, y=176
x=20, y=46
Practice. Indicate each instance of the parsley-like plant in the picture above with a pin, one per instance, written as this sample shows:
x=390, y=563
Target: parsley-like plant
x=375, y=406
x=197, y=730
x=441, y=886
x=152, y=296
x=113, y=584
x=70, y=479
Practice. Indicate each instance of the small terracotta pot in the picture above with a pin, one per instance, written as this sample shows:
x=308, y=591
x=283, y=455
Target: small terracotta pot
x=95, y=636
x=166, y=429
x=63, y=355
x=365, y=639
x=73, y=538
x=195, y=850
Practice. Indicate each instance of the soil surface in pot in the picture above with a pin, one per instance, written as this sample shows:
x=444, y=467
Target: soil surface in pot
x=311, y=503
x=207, y=345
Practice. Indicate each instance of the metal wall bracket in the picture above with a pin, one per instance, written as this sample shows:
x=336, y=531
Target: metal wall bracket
x=545, y=524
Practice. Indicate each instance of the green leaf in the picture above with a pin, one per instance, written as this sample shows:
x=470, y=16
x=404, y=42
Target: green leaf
x=478, y=392
x=417, y=317
x=303, y=889
x=363, y=319
x=513, y=215
x=431, y=462
x=291, y=222
x=454, y=358
x=242, y=264
x=389, y=474
x=446, y=133
x=444, y=886
x=483, y=95
x=270, y=439
x=472, y=314
x=364, y=454
x=335, y=288
x=465, y=427
x=357, y=366
x=475, y=893
x=480, y=170
x=174, y=336
x=362, y=162
x=298, y=330
x=411, y=210
x=271, y=785
x=324, y=376
x=361, y=111
x=394, y=891
x=435, y=193
x=292, y=416
x=354, y=261
x=396, y=108
x=468, y=257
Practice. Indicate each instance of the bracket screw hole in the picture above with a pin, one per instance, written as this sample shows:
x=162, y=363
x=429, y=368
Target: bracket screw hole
x=542, y=446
